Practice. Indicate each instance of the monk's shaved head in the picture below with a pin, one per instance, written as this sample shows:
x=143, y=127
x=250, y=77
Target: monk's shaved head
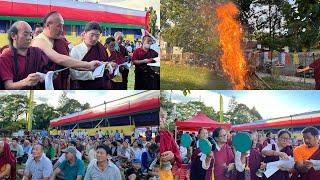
x=53, y=25
x=17, y=26
x=20, y=35
x=21, y=25
x=51, y=17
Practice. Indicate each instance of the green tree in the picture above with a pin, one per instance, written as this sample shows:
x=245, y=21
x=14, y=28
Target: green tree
x=153, y=21
x=270, y=22
x=14, y=127
x=42, y=114
x=68, y=106
x=246, y=13
x=239, y=113
x=13, y=107
x=190, y=24
x=304, y=24
x=63, y=99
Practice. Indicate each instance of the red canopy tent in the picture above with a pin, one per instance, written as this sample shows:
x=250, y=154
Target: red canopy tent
x=198, y=121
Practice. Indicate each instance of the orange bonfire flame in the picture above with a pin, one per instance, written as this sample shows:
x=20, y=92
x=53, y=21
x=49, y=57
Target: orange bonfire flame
x=232, y=60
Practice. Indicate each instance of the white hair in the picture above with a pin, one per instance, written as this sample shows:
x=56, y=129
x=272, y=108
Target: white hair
x=118, y=33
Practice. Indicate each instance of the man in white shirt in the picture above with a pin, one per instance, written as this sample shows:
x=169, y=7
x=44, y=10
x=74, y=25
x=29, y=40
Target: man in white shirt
x=38, y=166
x=88, y=50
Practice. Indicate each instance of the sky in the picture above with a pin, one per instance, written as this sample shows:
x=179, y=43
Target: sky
x=92, y=97
x=270, y=104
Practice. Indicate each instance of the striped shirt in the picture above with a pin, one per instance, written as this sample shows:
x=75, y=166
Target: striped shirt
x=39, y=169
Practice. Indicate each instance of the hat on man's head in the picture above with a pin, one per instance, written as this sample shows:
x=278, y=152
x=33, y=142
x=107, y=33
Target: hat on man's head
x=70, y=149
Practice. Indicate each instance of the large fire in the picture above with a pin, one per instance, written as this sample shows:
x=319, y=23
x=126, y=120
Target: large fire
x=232, y=59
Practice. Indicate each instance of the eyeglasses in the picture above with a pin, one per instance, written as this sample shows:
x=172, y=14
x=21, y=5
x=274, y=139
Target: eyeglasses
x=285, y=139
x=223, y=135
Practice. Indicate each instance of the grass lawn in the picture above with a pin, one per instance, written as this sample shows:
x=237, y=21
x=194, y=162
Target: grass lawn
x=285, y=85
x=131, y=79
x=186, y=77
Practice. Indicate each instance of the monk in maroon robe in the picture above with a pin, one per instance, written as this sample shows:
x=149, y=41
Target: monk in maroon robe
x=196, y=170
x=118, y=37
x=145, y=77
x=3, y=48
x=97, y=52
x=316, y=67
x=34, y=61
x=223, y=156
x=310, y=150
x=281, y=149
x=62, y=81
x=169, y=150
x=167, y=143
x=312, y=173
x=254, y=160
x=53, y=29
x=19, y=64
x=279, y=175
x=118, y=57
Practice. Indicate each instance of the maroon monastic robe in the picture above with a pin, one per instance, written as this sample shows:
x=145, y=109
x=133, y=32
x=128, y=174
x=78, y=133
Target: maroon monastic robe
x=196, y=170
x=97, y=52
x=61, y=82
x=312, y=174
x=279, y=175
x=255, y=159
x=145, y=77
x=34, y=61
x=119, y=58
x=223, y=157
x=167, y=143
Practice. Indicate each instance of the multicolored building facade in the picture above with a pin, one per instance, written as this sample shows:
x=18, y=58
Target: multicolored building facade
x=76, y=15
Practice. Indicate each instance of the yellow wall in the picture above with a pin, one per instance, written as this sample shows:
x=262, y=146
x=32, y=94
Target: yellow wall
x=75, y=40
x=3, y=39
x=127, y=130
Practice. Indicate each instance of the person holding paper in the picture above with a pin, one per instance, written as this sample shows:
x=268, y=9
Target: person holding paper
x=119, y=58
x=201, y=164
x=279, y=150
x=145, y=77
x=20, y=63
x=89, y=50
x=304, y=155
x=223, y=155
x=53, y=29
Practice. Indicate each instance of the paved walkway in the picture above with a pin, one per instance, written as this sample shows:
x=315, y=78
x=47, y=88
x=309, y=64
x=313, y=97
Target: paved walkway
x=289, y=78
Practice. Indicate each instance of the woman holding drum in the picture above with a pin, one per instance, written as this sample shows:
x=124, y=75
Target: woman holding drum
x=247, y=155
x=223, y=156
x=202, y=158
